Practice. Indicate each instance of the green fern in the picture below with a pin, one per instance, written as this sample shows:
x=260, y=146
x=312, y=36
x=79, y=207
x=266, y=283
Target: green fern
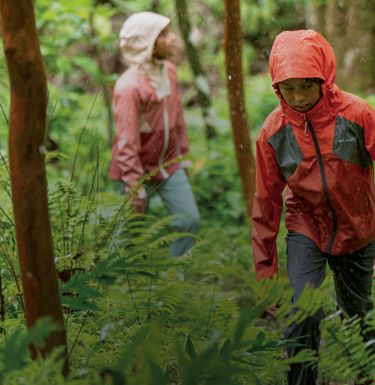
x=344, y=354
x=15, y=351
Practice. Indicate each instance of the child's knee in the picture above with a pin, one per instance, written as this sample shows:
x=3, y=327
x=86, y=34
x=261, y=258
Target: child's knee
x=188, y=223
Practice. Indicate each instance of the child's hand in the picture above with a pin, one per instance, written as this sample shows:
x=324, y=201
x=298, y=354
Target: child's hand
x=270, y=313
x=139, y=201
x=185, y=165
x=139, y=204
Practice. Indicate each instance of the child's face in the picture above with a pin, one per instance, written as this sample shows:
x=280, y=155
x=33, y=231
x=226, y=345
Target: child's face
x=164, y=44
x=300, y=94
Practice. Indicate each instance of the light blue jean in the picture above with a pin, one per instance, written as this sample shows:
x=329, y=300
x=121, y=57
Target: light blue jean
x=178, y=198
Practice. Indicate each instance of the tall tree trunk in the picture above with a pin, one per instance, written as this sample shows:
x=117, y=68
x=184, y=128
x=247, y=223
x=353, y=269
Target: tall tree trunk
x=155, y=5
x=204, y=98
x=106, y=89
x=350, y=28
x=314, y=15
x=240, y=128
x=26, y=151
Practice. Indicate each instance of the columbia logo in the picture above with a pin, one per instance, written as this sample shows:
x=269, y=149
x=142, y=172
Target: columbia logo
x=347, y=140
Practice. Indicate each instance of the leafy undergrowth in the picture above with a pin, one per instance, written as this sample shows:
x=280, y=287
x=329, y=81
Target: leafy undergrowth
x=133, y=315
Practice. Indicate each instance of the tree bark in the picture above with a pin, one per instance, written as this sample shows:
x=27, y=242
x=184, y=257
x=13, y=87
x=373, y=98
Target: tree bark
x=26, y=153
x=155, y=5
x=240, y=128
x=314, y=15
x=350, y=28
x=106, y=89
x=195, y=64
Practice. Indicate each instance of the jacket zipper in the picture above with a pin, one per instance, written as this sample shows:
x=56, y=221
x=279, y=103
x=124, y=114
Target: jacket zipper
x=163, y=171
x=325, y=186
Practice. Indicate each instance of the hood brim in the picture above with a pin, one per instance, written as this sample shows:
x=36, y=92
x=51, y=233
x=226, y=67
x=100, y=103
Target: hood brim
x=302, y=54
x=138, y=35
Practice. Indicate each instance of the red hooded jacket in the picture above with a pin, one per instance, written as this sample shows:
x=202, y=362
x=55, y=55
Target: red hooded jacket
x=144, y=141
x=323, y=158
x=150, y=128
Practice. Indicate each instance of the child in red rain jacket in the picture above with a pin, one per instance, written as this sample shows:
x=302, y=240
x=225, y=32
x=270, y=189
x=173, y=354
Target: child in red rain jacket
x=150, y=128
x=319, y=146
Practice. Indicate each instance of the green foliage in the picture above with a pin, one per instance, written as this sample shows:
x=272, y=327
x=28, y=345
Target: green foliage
x=218, y=361
x=4, y=99
x=345, y=355
x=215, y=177
x=64, y=25
x=262, y=16
x=14, y=353
x=133, y=315
x=162, y=6
x=260, y=100
x=371, y=100
x=217, y=184
x=4, y=95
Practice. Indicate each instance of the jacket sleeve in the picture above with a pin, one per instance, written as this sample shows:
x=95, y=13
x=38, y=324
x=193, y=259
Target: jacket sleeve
x=127, y=112
x=267, y=209
x=369, y=130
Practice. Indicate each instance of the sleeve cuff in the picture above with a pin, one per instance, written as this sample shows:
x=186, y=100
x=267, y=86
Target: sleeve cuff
x=264, y=271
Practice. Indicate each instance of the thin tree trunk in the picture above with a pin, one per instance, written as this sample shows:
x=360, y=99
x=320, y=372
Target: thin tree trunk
x=106, y=90
x=350, y=28
x=155, y=5
x=26, y=151
x=315, y=14
x=195, y=64
x=240, y=128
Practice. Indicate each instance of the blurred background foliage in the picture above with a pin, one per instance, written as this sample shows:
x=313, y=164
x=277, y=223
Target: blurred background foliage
x=131, y=313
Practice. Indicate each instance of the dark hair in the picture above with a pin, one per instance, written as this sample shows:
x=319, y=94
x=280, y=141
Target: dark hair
x=316, y=80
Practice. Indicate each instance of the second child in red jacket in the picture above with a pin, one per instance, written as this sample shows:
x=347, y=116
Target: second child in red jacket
x=318, y=146
x=151, y=134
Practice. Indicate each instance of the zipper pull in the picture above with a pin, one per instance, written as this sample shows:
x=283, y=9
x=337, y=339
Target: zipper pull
x=304, y=131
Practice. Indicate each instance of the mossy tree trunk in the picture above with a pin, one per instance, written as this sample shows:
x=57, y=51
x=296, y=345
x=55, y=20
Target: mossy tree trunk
x=204, y=98
x=155, y=5
x=26, y=154
x=106, y=89
x=235, y=85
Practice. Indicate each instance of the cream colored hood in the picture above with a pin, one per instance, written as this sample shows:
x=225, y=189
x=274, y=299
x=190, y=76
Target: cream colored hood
x=138, y=35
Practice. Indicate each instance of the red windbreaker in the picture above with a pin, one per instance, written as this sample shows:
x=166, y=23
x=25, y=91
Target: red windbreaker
x=150, y=127
x=149, y=131
x=324, y=159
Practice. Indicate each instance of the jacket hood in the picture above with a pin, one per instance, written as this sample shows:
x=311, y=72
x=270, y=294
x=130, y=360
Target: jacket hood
x=302, y=54
x=138, y=35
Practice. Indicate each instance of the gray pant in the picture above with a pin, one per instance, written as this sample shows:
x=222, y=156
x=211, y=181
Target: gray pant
x=353, y=284
x=178, y=198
